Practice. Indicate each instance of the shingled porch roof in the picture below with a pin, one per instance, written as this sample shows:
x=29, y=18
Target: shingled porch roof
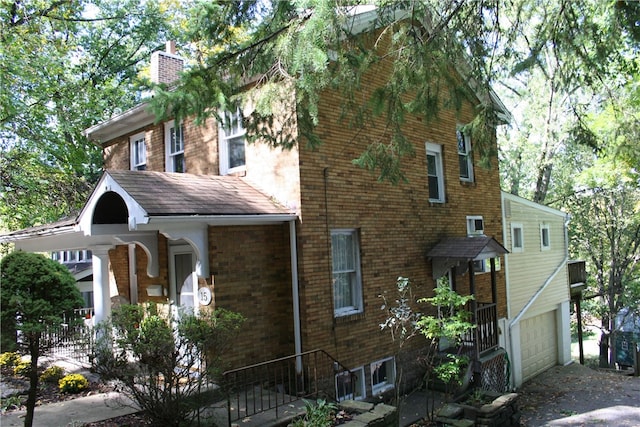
x=459, y=251
x=165, y=194
x=169, y=195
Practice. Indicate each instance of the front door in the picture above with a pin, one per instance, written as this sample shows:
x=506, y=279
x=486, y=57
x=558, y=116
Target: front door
x=183, y=279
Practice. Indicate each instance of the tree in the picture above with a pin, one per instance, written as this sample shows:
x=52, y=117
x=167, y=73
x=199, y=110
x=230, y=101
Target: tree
x=37, y=293
x=567, y=63
x=311, y=46
x=66, y=65
x=606, y=231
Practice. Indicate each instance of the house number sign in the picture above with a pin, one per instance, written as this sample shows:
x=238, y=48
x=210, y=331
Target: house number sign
x=204, y=295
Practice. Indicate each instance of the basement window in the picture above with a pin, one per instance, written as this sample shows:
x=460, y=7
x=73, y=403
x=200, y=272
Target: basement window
x=350, y=385
x=383, y=375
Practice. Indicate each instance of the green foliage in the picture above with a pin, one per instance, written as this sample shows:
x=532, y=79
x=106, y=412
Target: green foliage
x=9, y=359
x=39, y=291
x=12, y=402
x=452, y=321
x=318, y=414
x=165, y=363
x=22, y=368
x=73, y=383
x=452, y=371
x=53, y=374
x=62, y=72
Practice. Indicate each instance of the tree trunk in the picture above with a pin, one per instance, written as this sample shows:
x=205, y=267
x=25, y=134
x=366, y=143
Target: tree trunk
x=604, y=351
x=34, y=351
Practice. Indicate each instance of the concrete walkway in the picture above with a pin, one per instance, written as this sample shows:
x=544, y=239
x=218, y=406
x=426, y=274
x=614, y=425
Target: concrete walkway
x=76, y=412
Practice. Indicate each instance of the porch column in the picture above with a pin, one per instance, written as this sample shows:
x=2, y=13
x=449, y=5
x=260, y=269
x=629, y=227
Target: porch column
x=101, y=292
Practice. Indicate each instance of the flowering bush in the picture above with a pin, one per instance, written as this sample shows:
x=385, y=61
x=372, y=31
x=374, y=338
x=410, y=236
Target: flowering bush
x=73, y=383
x=22, y=369
x=9, y=360
x=53, y=374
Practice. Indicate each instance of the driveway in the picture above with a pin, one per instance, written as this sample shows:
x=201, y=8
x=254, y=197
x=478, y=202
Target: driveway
x=575, y=395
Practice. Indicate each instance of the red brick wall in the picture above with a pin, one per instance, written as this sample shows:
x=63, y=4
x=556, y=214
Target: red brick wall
x=251, y=269
x=199, y=144
x=397, y=224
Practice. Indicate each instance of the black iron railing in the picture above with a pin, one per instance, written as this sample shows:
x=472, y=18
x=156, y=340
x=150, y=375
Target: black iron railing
x=277, y=383
x=73, y=338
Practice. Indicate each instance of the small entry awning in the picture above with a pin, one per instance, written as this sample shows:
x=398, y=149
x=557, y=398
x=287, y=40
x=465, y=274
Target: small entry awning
x=459, y=251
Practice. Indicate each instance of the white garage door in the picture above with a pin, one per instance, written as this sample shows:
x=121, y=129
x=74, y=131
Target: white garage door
x=538, y=344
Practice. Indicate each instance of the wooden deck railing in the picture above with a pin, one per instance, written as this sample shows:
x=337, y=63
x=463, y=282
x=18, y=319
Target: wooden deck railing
x=577, y=272
x=484, y=337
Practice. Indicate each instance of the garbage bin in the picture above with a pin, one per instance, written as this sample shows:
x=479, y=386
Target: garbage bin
x=626, y=343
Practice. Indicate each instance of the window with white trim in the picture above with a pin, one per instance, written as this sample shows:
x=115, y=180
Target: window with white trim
x=232, y=143
x=350, y=385
x=435, y=173
x=138, y=149
x=464, y=155
x=347, y=281
x=383, y=375
x=545, y=238
x=174, y=147
x=475, y=225
x=517, y=237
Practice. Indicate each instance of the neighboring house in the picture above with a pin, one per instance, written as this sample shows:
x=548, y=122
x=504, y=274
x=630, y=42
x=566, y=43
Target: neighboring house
x=79, y=264
x=537, y=334
x=301, y=242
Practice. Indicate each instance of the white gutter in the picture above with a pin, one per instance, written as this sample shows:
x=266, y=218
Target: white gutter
x=217, y=219
x=295, y=293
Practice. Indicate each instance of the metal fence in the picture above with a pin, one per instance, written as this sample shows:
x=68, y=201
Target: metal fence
x=275, y=384
x=74, y=338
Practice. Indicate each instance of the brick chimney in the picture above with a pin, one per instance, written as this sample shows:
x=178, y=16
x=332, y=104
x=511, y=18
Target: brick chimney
x=166, y=66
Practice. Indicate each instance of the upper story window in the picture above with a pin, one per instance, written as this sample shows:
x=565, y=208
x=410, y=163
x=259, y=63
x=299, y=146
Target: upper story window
x=517, y=237
x=475, y=225
x=464, y=156
x=545, y=238
x=347, y=280
x=71, y=256
x=138, y=149
x=232, y=143
x=435, y=173
x=174, y=147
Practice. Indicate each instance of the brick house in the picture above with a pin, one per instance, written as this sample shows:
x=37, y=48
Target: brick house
x=300, y=241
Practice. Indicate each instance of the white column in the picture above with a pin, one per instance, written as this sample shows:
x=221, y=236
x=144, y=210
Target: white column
x=101, y=292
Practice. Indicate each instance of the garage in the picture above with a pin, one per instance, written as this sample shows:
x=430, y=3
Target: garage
x=538, y=344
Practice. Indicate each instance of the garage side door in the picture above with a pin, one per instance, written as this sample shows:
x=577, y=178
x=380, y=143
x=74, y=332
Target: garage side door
x=538, y=344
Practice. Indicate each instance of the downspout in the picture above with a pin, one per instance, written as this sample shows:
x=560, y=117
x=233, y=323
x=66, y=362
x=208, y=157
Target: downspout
x=295, y=294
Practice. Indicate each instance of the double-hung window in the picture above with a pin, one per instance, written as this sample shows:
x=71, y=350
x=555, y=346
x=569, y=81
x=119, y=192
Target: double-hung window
x=545, y=242
x=464, y=156
x=174, y=147
x=347, y=281
x=435, y=173
x=517, y=237
x=232, y=143
x=138, y=151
